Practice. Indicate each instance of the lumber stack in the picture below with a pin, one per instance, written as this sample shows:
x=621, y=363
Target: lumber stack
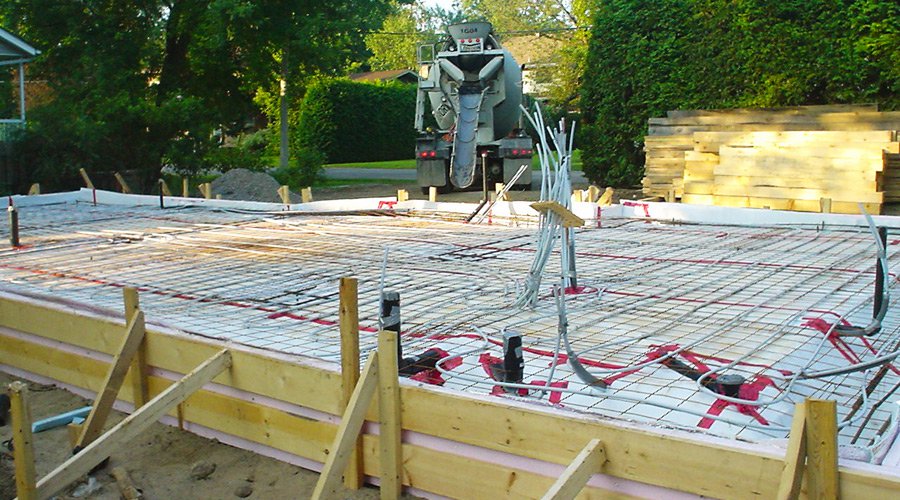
x=808, y=158
x=664, y=165
x=892, y=177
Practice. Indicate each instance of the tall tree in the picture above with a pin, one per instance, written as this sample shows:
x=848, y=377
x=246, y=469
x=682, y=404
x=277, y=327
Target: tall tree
x=131, y=82
x=563, y=21
x=394, y=45
x=408, y=26
x=284, y=39
x=140, y=84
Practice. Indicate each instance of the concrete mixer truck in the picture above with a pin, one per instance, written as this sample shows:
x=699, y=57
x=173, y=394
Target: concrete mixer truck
x=472, y=87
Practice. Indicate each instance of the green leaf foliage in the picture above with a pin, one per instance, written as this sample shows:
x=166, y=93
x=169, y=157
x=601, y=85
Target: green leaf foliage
x=646, y=58
x=350, y=121
x=139, y=85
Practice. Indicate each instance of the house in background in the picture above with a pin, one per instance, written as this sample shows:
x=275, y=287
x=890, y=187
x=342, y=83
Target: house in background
x=399, y=75
x=15, y=52
x=534, y=53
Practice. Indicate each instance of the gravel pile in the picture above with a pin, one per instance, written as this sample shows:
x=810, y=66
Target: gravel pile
x=242, y=184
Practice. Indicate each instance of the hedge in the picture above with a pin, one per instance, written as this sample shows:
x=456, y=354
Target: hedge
x=646, y=58
x=350, y=121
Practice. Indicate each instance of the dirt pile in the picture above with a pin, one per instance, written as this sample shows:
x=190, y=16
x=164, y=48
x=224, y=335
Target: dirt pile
x=242, y=184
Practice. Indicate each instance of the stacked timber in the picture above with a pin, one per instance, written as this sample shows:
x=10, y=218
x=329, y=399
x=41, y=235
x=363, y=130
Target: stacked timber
x=664, y=165
x=892, y=177
x=809, y=158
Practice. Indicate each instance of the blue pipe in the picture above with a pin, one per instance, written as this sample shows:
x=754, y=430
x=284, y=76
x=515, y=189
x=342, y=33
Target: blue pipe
x=59, y=420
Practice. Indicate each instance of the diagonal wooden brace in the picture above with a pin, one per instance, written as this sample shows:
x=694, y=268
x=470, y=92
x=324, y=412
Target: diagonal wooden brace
x=93, y=425
x=132, y=426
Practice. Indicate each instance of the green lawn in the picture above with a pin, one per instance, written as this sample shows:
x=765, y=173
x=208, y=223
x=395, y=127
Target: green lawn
x=392, y=164
x=411, y=163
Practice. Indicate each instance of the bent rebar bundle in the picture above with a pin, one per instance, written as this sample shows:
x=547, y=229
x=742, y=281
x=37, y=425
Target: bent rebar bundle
x=555, y=154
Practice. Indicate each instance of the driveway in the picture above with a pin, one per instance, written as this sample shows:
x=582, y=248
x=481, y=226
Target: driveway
x=409, y=174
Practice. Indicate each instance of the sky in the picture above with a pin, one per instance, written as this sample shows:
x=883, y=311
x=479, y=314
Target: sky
x=444, y=4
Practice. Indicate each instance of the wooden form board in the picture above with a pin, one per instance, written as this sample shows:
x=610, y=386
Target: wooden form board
x=663, y=458
x=844, y=207
x=303, y=384
x=308, y=438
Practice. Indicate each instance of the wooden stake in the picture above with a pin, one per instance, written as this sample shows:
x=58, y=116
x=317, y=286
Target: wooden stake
x=164, y=188
x=34, y=189
x=179, y=415
x=670, y=195
x=825, y=205
x=593, y=193
x=140, y=372
x=389, y=439
x=206, y=190
x=588, y=462
x=349, y=326
x=132, y=426
x=185, y=187
x=306, y=195
x=498, y=188
x=821, y=447
x=126, y=486
x=432, y=194
x=402, y=195
x=285, y=194
x=342, y=449
x=577, y=195
x=75, y=431
x=606, y=198
x=795, y=459
x=122, y=183
x=87, y=180
x=114, y=378
x=23, y=442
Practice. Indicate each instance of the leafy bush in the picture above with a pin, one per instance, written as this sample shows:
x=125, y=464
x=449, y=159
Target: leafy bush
x=305, y=170
x=225, y=158
x=350, y=121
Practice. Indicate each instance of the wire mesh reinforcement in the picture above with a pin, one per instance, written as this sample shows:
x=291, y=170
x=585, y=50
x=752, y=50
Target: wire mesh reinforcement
x=660, y=310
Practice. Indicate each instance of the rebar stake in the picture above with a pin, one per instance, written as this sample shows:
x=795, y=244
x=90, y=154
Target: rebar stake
x=390, y=317
x=879, y=275
x=13, y=226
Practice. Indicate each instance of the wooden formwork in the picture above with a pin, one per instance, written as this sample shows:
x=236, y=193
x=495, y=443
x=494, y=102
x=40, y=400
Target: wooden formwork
x=455, y=445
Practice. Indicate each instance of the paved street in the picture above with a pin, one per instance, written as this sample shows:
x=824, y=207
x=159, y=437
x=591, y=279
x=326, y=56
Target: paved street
x=409, y=174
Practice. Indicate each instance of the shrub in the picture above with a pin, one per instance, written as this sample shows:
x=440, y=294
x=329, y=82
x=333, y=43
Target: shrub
x=225, y=158
x=646, y=58
x=350, y=121
x=305, y=170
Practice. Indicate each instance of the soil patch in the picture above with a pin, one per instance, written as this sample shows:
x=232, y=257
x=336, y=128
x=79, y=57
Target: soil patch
x=161, y=460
